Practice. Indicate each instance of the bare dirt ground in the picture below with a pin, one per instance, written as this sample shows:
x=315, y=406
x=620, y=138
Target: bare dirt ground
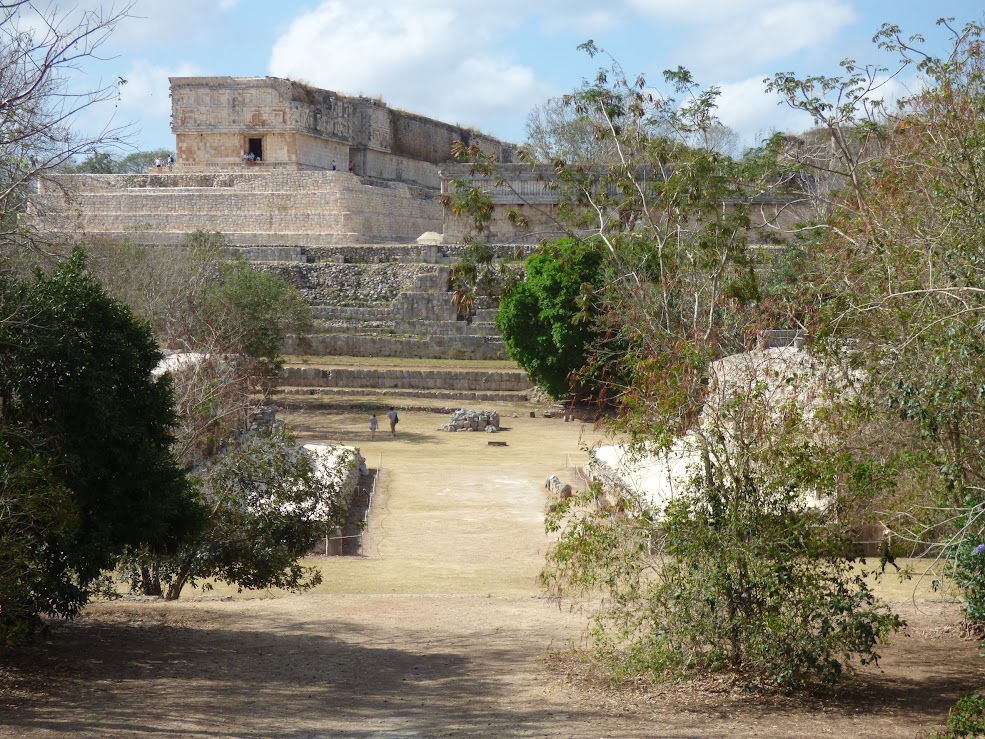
x=436, y=629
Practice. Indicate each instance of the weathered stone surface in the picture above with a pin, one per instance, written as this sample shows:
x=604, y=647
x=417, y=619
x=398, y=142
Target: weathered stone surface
x=466, y=420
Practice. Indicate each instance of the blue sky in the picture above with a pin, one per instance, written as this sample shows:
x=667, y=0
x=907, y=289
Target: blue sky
x=487, y=64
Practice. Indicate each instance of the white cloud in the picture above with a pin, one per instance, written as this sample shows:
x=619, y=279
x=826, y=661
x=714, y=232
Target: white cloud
x=591, y=21
x=161, y=22
x=747, y=32
x=433, y=59
x=776, y=32
x=148, y=90
x=705, y=11
x=752, y=113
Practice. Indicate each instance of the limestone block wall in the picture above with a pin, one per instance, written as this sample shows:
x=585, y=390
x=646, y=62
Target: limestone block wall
x=501, y=230
x=237, y=108
x=249, y=208
x=425, y=347
x=387, y=166
x=317, y=152
x=367, y=377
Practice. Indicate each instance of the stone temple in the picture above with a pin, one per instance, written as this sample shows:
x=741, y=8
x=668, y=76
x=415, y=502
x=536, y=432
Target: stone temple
x=266, y=161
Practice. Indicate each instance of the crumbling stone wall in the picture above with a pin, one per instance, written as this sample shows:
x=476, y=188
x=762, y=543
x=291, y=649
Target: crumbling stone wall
x=326, y=284
x=302, y=126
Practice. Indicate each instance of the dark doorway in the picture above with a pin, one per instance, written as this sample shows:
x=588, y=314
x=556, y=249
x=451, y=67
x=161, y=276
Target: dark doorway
x=256, y=149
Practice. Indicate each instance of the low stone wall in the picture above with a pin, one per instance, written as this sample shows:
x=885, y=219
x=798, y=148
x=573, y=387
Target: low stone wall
x=431, y=347
x=408, y=379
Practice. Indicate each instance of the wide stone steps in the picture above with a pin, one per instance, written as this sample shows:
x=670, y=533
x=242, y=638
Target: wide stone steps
x=362, y=378
x=406, y=328
x=503, y=396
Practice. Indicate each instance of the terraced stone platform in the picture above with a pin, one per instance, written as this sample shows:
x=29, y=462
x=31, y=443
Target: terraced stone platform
x=450, y=382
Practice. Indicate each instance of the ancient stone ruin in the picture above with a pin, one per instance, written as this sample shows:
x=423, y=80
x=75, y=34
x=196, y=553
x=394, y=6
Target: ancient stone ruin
x=272, y=163
x=466, y=420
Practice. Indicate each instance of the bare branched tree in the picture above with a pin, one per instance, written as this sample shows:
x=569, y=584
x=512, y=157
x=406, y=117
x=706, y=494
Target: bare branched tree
x=42, y=47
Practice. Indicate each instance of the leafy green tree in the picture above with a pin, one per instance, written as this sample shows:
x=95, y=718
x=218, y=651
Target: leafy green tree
x=140, y=161
x=252, y=312
x=87, y=431
x=697, y=583
x=269, y=502
x=99, y=162
x=547, y=319
x=102, y=162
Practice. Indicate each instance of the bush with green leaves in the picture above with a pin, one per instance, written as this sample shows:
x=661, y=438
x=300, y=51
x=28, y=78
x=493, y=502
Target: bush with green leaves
x=965, y=720
x=268, y=501
x=745, y=568
x=85, y=442
x=548, y=318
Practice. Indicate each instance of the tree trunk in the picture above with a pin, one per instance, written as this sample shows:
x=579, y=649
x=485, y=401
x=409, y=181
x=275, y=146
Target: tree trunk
x=150, y=583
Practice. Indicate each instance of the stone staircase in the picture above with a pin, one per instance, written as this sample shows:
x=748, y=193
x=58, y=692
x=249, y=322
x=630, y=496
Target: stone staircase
x=385, y=328
x=416, y=319
x=447, y=384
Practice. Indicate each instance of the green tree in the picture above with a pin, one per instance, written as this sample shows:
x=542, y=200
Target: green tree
x=548, y=318
x=903, y=298
x=269, y=501
x=696, y=584
x=140, y=161
x=252, y=312
x=86, y=430
x=99, y=162
x=102, y=162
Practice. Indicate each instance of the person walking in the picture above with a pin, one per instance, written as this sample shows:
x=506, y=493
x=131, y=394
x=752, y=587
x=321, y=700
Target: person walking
x=394, y=420
x=373, y=424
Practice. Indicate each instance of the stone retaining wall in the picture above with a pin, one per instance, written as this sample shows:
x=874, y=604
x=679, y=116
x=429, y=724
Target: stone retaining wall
x=408, y=379
x=280, y=207
x=356, y=285
x=427, y=347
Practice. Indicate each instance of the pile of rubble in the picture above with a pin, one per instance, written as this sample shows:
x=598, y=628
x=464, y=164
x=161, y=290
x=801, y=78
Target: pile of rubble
x=465, y=420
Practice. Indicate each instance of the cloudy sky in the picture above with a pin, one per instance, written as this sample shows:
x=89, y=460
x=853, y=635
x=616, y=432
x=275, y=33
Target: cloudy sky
x=486, y=64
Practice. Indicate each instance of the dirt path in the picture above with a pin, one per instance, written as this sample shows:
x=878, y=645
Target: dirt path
x=438, y=629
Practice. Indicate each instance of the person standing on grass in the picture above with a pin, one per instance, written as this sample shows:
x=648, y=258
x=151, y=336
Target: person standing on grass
x=394, y=419
x=373, y=424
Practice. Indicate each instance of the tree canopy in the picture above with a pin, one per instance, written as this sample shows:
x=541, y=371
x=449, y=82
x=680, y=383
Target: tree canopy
x=548, y=318
x=268, y=501
x=692, y=584
x=87, y=427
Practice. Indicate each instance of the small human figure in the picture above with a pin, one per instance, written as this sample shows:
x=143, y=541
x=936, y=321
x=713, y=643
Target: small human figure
x=351, y=168
x=373, y=425
x=244, y=158
x=157, y=164
x=886, y=551
x=394, y=420
x=333, y=165
x=170, y=162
